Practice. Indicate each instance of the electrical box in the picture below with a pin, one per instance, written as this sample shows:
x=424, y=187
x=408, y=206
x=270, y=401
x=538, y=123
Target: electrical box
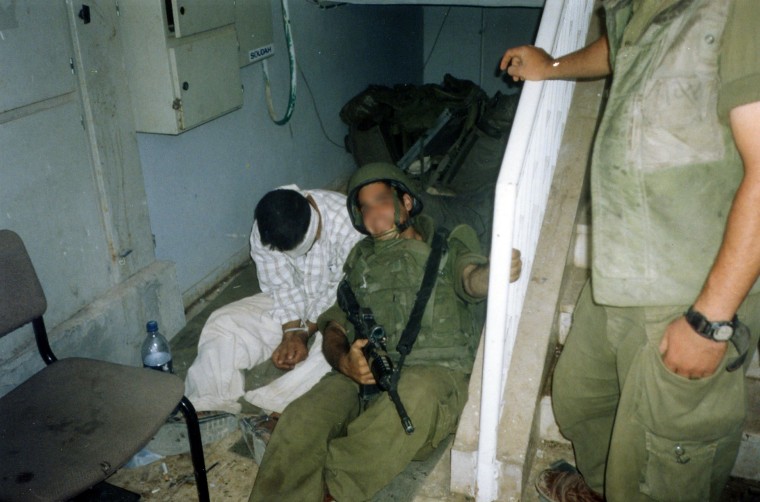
x=182, y=62
x=253, y=22
x=188, y=17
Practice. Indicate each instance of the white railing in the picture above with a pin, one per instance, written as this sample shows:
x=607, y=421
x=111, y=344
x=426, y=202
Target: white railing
x=522, y=192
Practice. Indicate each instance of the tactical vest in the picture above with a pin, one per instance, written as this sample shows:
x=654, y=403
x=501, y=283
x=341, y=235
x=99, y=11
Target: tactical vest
x=386, y=275
x=664, y=169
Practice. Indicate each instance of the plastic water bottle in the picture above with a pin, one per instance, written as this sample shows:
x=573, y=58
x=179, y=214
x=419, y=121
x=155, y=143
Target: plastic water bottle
x=155, y=350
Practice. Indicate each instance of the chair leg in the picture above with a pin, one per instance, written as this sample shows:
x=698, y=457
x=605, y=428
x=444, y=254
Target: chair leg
x=196, y=448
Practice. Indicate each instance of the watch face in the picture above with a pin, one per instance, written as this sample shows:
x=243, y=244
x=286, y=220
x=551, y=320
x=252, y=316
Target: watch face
x=723, y=333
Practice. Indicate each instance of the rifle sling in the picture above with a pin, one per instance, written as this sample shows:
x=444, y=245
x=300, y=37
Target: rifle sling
x=412, y=328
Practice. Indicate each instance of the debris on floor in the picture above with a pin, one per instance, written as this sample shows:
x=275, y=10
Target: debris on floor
x=171, y=438
x=229, y=465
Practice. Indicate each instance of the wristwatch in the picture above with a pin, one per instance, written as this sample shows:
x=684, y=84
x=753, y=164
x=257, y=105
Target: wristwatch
x=718, y=331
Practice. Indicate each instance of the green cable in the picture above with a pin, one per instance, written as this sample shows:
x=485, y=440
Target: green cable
x=293, y=74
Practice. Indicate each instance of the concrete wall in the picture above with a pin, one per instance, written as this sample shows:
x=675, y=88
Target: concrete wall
x=124, y=227
x=202, y=186
x=71, y=185
x=89, y=199
x=472, y=41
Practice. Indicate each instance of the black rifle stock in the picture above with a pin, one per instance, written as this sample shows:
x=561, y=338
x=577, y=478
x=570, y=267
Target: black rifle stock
x=375, y=351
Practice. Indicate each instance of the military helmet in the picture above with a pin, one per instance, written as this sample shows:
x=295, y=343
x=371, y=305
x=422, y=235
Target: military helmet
x=374, y=172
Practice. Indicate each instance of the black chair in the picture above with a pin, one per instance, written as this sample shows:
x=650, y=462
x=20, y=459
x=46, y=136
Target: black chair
x=75, y=422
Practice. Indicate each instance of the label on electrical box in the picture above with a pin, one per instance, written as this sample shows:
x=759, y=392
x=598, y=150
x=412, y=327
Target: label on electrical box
x=260, y=53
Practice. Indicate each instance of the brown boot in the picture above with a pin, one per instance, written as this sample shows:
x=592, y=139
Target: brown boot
x=561, y=482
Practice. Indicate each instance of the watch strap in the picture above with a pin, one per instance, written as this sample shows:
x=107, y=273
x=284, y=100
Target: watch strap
x=704, y=327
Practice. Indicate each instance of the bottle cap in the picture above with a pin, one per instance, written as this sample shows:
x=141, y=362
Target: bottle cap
x=151, y=326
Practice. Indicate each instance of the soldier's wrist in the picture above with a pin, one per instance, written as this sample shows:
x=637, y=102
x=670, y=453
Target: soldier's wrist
x=334, y=325
x=343, y=364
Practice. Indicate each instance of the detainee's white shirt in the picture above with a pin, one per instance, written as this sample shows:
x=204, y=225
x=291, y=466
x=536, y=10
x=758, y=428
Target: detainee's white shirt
x=304, y=287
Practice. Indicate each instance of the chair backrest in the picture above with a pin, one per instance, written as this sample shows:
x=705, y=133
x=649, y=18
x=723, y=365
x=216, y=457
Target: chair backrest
x=21, y=296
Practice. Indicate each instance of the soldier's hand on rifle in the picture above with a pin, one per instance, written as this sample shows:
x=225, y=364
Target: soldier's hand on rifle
x=354, y=365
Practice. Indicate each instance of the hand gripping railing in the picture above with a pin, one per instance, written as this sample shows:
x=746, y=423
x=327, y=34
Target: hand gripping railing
x=522, y=192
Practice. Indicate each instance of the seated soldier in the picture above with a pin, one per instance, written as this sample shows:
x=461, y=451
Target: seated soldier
x=330, y=444
x=299, y=242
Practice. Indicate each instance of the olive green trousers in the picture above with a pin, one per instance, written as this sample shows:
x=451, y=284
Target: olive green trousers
x=322, y=439
x=639, y=431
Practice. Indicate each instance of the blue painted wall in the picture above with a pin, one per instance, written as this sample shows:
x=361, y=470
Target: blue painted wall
x=203, y=185
x=85, y=219
x=468, y=42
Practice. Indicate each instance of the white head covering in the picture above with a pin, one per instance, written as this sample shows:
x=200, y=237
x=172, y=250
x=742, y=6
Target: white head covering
x=308, y=238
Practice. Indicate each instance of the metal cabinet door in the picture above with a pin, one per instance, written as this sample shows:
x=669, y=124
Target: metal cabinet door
x=207, y=77
x=195, y=16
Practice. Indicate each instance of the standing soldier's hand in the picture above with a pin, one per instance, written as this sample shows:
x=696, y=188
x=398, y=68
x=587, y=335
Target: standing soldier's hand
x=526, y=62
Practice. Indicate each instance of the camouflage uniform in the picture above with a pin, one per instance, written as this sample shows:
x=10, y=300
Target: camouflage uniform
x=664, y=174
x=322, y=438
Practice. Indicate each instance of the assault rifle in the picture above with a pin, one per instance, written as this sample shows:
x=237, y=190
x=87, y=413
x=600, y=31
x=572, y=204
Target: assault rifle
x=386, y=376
